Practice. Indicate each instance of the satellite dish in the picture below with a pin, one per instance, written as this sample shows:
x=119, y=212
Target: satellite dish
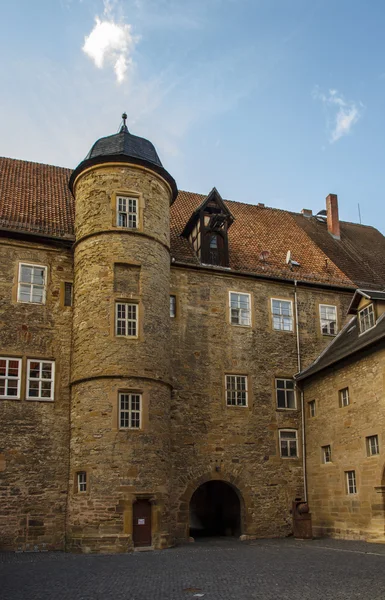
x=288, y=257
x=264, y=255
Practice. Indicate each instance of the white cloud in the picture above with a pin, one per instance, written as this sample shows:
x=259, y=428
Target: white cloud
x=341, y=114
x=111, y=43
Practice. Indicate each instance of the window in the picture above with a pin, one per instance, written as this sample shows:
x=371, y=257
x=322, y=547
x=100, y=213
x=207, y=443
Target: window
x=10, y=371
x=326, y=454
x=328, y=318
x=284, y=390
x=351, y=486
x=240, y=309
x=366, y=318
x=32, y=282
x=236, y=390
x=312, y=408
x=372, y=446
x=173, y=306
x=127, y=212
x=282, y=311
x=344, y=397
x=288, y=443
x=81, y=477
x=126, y=319
x=130, y=408
x=67, y=293
x=40, y=379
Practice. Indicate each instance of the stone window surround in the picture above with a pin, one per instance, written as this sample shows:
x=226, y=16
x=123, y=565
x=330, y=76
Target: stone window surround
x=76, y=490
x=281, y=438
x=24, y=377
x=81, y=477
x=140, y=207
x=40, y=380
x=279, y=315
x=7, y=377
x=129, y=410
x=285, y=379
x=249, y=309
x=328, y=321
x=19, y=282
x=237, y=406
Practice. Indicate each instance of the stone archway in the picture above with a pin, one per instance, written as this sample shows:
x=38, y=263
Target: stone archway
x=215, y=511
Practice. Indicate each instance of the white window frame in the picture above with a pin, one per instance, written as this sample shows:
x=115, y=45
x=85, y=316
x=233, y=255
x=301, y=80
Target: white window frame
x=172, y=306
x=370, y=446
x=351, y=482
x=8, y=377
x=344, y=397
x=326, y=454
x=289, y=441
x=241, y=314
x=326, y=321
x=238, y=390
x=280, y=317
x=41, y=379
x=285, y=390
x=126, y=320
x=125, y=212
x=312, y=408
x=130, y=412
x=369, y=318
x=81, y=478
x=43, y=286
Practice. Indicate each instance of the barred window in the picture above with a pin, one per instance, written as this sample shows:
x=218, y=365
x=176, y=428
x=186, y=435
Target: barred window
x=240, y=313
x=130, y=409
x=32, y=284
x=344, y=397
x=236, y=390
x=312, y=408
x=366, y=318
x=326, y=454
x=127, y=212
x=282, y=312
x=126, y=323
x=372, y=446
x=351, y=485
x=288, y=443
x=82, y=481
x=285, y=394
x=328, y=319
x=10, y=376
x=40, y=379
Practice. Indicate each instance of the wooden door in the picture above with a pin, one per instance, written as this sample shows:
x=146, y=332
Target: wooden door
x=142, y=523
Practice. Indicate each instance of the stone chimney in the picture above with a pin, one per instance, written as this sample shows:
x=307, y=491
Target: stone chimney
x=332, y=216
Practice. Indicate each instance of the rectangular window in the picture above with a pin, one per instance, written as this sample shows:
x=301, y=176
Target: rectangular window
x=288, y=443
x=240, y=313
x=126, y=323
x=130, y=409
x=312, y=408
x=67, y=293
x=173, y=306
x=127, y=212
x=40, y=379
x=328, y=319
x=366, y=318
x=344, y=397
x=282, y=311
x=236, y=390
x=351, y=486
x=10, y=374
x=284, y=390
x=32, y=283
x=326, y=454
x=372, y=446
x=82, y=481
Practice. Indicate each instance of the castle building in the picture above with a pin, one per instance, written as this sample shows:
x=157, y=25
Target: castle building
x=148, y=344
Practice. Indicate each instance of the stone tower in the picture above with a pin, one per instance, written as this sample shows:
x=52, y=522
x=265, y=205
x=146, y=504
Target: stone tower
x=120, y=441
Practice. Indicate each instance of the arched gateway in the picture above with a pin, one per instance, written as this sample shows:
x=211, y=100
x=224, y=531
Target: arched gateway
x=215, y=510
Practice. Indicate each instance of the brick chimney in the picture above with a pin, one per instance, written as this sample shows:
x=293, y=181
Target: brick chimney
x=332, y=216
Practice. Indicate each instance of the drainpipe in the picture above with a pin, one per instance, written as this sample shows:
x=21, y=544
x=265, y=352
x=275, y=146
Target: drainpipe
x=302, y=395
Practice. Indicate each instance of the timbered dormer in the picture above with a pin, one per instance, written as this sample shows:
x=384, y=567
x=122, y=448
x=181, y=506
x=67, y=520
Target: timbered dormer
x=207, y=230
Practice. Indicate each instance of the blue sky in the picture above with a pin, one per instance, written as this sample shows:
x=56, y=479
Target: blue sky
x=274, y=101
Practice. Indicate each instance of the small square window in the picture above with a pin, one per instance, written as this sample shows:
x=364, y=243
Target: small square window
x=328, y=319
x=344, y=397
x=126, y=319
x=236, y=390
x=127, y=212
x=288, y=443
x=32, y=284
x=372, y=445
x=326, y=454
x=240, y=313
x=40, y=379
x=10, y=376
x=282, y=312
x=81, y=477
x=351, y=485
x=366, y=318
x=285, y=394
x=173, y=306
x=130, y=410
x=312, y=408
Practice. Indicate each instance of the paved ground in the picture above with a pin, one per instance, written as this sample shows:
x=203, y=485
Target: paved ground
x=216, y=570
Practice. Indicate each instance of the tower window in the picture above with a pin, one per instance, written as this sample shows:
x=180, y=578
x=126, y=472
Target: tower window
x=126, y=322
x=130, y=409
x=127, y=212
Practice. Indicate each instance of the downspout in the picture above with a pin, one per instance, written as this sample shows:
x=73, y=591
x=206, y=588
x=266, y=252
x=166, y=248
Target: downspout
x=302, y=396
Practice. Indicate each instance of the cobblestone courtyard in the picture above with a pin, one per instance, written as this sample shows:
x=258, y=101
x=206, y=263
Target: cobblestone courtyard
x=214, y=570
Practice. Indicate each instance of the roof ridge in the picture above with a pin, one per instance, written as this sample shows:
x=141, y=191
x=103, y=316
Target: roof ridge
x=33, y=162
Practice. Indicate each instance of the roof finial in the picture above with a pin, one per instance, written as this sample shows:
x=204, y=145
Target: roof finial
x=123, y=128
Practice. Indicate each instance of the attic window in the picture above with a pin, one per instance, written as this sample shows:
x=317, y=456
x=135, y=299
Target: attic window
x=366, y=318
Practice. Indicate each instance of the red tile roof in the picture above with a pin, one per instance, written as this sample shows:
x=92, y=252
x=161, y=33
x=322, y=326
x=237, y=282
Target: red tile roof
x=36, y=198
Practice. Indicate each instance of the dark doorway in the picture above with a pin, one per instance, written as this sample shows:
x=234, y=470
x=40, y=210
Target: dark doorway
x=215, y=510
x=141, y=523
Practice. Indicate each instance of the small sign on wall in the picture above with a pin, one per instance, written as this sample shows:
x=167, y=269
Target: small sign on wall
x=141, y=521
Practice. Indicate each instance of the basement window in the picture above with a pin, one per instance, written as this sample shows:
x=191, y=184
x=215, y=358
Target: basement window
x=366, y=318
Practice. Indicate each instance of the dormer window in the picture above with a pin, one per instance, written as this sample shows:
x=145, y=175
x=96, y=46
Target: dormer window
x=366, y=318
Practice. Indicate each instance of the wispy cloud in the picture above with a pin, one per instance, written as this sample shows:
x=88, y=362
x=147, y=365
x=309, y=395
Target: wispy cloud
x=111, y=43
x=341, y=114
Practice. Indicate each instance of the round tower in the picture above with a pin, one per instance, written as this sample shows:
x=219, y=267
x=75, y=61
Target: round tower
x=120, y=454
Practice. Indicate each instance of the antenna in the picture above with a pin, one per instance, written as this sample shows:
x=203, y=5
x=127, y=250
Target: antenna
x=359, y=213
